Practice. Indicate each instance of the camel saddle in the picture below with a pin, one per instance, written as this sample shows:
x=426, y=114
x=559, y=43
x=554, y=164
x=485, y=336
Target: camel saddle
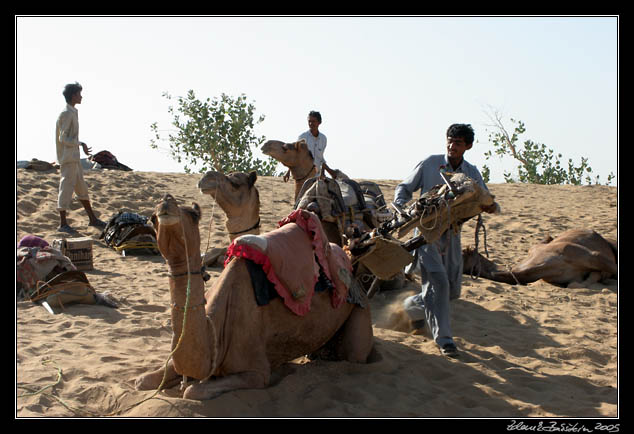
x=345, y=201
x=444, y=207
x=69, y=287
x=294, y=256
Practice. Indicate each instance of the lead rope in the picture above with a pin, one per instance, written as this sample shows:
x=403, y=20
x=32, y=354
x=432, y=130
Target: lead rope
x=213, y=209
x=477, y=264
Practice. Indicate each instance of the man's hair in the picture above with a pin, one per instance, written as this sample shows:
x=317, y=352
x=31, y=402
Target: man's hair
x=315, y=115
x=461, y=130
x=70, y=90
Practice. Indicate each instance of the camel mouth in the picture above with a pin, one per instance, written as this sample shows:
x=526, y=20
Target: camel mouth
x=168, y=219
x=208, y=188
x=167, y=211
x=209, y=183
x=272, y=146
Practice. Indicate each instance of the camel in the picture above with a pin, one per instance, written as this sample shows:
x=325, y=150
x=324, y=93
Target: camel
x=577, y=255
x=229, y=342
x=238, y=197
x=236, y=194
x=296, y=157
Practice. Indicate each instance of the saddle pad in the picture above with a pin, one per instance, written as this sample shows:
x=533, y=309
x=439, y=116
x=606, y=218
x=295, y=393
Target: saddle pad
x=291, y=257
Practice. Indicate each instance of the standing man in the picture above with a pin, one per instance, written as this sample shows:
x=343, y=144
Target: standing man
x=316, y=142
x=440, y=262
x=72, y=174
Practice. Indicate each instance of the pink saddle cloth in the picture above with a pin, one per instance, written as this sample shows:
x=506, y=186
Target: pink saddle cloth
x=290, y=257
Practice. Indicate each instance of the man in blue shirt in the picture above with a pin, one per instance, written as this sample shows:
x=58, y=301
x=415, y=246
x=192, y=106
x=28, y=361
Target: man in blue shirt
x=440, y=262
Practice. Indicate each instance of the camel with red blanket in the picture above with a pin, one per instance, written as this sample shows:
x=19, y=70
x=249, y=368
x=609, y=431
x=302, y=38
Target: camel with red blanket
x=231, y=339
x=577, y=255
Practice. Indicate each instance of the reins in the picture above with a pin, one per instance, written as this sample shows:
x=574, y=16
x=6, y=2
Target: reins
x=255, y=226
x=305, y=176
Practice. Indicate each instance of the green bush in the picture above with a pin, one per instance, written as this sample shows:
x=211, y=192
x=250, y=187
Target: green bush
x=538, y=164
x=216, y=134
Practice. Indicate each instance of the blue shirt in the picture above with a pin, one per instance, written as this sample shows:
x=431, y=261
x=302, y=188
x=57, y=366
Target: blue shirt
x=426, y=175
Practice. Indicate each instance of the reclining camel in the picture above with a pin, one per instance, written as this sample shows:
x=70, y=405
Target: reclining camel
x=228, y=341
x=238, y=197
x=296, y=157
x=577, y=255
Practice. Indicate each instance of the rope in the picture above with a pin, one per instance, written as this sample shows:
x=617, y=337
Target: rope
x=255, y=226
x=511, y=271
x=480, y=225
x=477, y=263
x=59, y=379
x=211, y=219
x=42, y=391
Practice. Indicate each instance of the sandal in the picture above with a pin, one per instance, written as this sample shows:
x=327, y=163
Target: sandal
x=98, y=224
x=449, y=350
x=67, y=229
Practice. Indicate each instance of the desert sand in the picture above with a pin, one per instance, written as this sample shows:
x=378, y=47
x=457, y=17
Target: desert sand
x=534, y=351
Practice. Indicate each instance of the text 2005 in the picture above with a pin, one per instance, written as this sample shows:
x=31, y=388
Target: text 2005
x=607, y=428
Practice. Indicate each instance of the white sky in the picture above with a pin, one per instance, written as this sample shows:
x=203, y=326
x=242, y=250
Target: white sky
x=387, y=87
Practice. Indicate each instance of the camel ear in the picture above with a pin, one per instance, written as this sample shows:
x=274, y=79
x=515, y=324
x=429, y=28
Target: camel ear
x=195, y=212
x=301, y=144
x=253, y=175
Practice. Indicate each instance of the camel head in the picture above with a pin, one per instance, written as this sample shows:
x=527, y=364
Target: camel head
x=474, y=263
x=238, y=197
x=289, y=154
x=177, y=231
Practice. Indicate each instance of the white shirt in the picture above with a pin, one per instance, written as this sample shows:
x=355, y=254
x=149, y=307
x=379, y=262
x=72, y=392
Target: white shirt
x=316, y=146
x=67, y=136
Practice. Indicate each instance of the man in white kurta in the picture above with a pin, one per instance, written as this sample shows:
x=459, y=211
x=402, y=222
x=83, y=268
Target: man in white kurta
x=316, y=142
x=71, y=173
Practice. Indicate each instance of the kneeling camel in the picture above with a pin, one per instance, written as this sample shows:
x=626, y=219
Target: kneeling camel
x=229, y=342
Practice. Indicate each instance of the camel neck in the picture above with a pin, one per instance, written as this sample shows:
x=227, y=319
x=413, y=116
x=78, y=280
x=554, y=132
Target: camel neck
x=192, y=355
x=301, y=173
x=245, y=223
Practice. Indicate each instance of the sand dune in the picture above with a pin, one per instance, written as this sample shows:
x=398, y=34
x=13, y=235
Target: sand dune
x=526, y=351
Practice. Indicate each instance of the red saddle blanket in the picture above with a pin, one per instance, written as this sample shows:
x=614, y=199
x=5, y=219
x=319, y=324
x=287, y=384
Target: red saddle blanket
x=290, y=257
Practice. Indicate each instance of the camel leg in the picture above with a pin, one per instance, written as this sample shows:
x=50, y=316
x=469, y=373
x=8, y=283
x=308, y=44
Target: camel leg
x=212, y=388
x=357, y=339
x=352, y=342
x=152, y=380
